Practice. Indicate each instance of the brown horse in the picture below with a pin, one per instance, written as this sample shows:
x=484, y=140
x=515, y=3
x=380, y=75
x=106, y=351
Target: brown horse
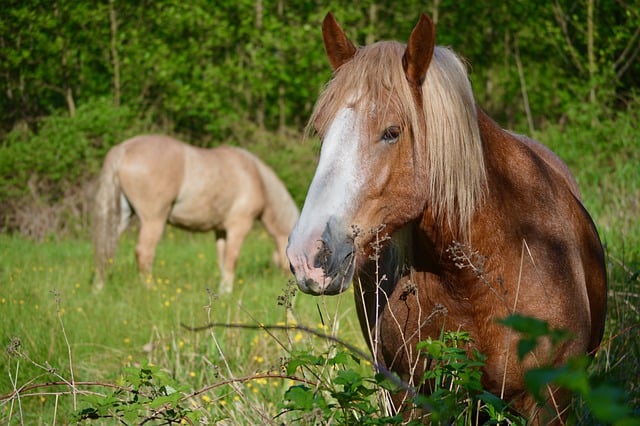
x=161, y=180
x=443, y=220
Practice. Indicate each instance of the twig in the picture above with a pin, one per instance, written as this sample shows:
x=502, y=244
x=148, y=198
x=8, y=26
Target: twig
x=383, y=370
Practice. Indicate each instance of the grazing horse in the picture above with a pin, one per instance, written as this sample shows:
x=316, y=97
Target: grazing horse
x=161, y=180
x=443, y=220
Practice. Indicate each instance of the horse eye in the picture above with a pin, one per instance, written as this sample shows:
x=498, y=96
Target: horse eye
x=390, y=135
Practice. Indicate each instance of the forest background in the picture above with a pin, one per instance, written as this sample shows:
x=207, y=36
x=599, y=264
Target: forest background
x=80, y=76
x=77, y=77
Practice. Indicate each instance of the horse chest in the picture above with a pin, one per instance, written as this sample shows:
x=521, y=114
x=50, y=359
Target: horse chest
x=417, y=311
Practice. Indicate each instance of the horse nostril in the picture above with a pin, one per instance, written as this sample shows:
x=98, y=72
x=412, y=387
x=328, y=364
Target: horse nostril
x=291, y=268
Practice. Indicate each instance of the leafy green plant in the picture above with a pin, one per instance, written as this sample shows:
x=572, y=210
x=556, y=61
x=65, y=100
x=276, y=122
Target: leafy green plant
x=606, y=402
x=64, y=150
x=345, y=396
x=150, y=395
x=454, y=376
x=341, y=394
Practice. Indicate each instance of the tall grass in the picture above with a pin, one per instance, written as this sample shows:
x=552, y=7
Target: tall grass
x=56, y=329
x=63, y=327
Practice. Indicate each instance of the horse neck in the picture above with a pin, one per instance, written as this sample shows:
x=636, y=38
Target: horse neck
x=437, y=237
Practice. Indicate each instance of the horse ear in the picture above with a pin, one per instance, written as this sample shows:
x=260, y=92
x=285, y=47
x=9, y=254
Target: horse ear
x=339, y=48
x=419, y=52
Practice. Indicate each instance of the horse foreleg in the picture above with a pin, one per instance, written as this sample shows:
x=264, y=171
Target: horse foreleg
x=236, y=233
x=221, y=244
x=150, y=234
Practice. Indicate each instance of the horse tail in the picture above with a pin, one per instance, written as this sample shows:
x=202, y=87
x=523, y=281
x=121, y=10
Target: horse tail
x=280, y=212
x=106, y=214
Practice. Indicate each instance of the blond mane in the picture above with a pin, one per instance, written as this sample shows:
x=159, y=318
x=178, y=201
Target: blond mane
x=445, y=131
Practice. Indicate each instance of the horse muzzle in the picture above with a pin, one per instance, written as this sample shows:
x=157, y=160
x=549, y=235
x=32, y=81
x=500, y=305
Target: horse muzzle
x=323, y=265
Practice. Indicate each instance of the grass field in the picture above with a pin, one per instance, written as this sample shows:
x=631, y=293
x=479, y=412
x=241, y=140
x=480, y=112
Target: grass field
x=67, y=332
x=56, y=329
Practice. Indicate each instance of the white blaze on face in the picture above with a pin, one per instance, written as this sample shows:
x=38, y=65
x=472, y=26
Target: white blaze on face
x=337, y=179
x=331, y=195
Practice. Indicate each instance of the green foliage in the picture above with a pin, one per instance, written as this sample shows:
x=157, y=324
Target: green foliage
x=453, y=376
x=64, y=150
x=151, y=395
x=600, y=147
x=200, y=68
x=606, y=402
x=341, y=395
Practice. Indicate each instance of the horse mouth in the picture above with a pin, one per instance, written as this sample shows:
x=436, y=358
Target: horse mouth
x=331, y=274
x=326, y=265
x=331, y=283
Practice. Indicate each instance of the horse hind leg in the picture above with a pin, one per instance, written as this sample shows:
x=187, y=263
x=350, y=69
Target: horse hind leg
x=280, y=239
x=235, y=235
x=150, y=234
x=125, y=214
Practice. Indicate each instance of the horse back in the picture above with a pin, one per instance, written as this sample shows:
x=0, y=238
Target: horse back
x=552, y=161
x=220, y=185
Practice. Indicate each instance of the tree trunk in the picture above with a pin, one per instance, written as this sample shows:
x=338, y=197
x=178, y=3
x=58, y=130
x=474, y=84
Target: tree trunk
x=260, y=102
x=523, y=87
x=435, y=13
x=373, y=19
x=115, y=60
x=70, y=102
x=591, y=57
x=282, y=102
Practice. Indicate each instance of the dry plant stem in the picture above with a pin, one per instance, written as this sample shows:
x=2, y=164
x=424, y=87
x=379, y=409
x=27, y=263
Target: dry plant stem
x=260, y=326
x=311, y=331
x=55, y=407
x=530, y=255
x=14, y=382
x=376, y=257
x=513, y=310
x=25, y=390
x=66, y=341
x=247, y=379
x=324, y=371
x=233, y=384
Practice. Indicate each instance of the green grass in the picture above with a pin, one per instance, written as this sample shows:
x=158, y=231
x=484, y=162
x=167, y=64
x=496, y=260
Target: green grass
x=69, y=332
x=47, y=303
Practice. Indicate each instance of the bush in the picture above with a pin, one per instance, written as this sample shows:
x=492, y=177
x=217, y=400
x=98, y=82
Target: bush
x=63, y=150
x=42, y=170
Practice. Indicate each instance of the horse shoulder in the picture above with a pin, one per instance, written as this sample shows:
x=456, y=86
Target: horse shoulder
x=152, y=168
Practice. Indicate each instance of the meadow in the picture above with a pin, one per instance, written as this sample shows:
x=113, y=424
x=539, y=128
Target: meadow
x=129, y=348
x=56, y=329
x=130, y=355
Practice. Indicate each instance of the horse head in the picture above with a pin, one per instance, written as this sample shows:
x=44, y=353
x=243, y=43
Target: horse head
x=369, y=172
